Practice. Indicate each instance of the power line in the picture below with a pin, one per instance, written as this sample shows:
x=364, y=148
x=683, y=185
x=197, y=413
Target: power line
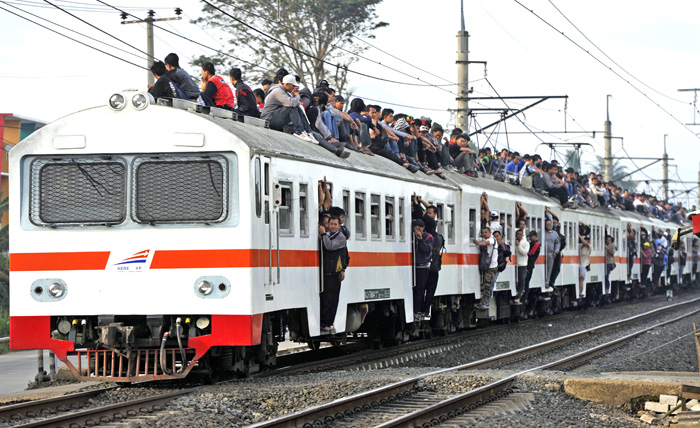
x=608, y=67
x=70, y=38
x=245, y=24
x=71, y=30
x=99, y=29
x=612, y=60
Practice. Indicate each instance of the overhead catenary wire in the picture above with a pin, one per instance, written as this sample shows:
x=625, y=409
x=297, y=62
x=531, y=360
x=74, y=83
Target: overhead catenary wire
x=71, y=38
x=99, y=29
x=301, y=52
x=608, y=67
x=612, y=60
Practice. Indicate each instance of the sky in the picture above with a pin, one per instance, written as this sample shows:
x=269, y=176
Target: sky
x=650, y=51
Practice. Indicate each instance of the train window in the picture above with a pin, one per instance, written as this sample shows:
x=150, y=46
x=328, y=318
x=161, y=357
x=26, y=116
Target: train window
x=285, y=209
x=375, y=217
x=360, y=215
x=472, y=226
x=78, y=191
x=258, y=190
x=402, y=220
x=346, y=208
x=540, y=230
x=303, y=211
x=180, y=189
x=451, y=224
x=267, y=179
x=502, y=220
x=389, y=218
x=441, y=223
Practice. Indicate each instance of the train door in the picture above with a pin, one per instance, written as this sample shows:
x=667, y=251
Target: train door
x=272, y=200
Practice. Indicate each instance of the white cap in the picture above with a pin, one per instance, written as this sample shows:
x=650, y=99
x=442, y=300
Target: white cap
x=290, y=79
x=494, y=213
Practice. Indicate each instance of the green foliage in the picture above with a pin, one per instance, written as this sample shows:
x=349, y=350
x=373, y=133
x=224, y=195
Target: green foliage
x=619, y=172
x=323, y=28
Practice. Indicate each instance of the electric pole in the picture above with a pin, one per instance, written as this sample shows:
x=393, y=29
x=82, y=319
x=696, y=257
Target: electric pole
x=607, y=161
x=149, y=35
x=462, y=120
x=664, y=164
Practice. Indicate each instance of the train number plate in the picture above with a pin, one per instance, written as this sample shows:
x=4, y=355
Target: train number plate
x=502, y=285
x=377, y=293
x=594, y=278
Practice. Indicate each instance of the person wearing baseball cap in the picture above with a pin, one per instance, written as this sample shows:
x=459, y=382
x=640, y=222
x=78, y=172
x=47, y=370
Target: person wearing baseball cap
x=282, y=109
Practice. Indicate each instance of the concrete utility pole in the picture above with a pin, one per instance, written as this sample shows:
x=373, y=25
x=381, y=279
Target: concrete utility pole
x=607, y=172
x=698, y=206
x=149, y=36
x=462, y=120
x=664, y=165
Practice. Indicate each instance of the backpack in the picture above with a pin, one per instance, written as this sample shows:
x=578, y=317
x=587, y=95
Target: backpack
x=503, y=257
x=178, y=91
x=438, y=247
x=658, y=259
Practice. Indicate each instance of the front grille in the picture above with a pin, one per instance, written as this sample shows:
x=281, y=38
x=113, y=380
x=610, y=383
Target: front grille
x=68, y=191
x=180, y=189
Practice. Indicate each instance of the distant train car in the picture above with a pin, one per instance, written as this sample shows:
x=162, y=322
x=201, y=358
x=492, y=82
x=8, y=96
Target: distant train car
x=152, y=242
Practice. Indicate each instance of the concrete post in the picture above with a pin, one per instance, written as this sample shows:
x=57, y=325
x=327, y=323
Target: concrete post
x=664, y=164
x=462, y=120
x=149, y=46
x=607, y=173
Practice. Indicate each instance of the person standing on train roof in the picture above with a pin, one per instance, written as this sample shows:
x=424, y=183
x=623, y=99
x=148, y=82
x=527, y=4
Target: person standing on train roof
x=215, y=91
x=422, y=257
x=181, y=77
x=245, y=99
x=552, y=246
x=488, y=264
x=335, y=261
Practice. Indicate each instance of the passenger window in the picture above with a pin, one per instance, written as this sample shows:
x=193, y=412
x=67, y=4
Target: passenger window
x=258, y=190
x=285, y=209
x=472, y=226
x=509, y=226
x=451, y=224
x=360, y=215
x=441, y=223
x=502, y=220
x=389, y=218
x=346, y=208
x=402, y=220
x=267, y=179
x=374, y=214
x=303, y=211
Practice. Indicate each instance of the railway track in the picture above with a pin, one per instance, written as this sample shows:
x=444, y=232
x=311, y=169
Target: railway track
x=420, y=408
x=65, y=411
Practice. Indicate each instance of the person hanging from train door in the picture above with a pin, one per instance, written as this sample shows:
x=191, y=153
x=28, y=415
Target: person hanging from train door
x=556, y=268
x=431, y=220
x=610, y=249
x=488, y=217
x=504, y=254
x=631, y=249
x=488, y=263
x=551, y=250
x=532, y=255
x=682, y=260
x=584, y=257
x=646, y=263
x=422, y=256
x=335, y=261
x=521, y=249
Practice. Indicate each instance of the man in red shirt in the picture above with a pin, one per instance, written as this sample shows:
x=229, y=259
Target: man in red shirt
x=215, y=90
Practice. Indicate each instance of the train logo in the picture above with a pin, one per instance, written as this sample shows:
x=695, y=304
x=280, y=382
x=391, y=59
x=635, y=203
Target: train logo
x=133, y=263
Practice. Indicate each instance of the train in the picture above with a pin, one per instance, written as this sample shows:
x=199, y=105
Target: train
x=158, y=240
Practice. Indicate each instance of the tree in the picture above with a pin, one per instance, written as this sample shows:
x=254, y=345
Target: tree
x=618, y=173
x=573, y=159
x=322, y=28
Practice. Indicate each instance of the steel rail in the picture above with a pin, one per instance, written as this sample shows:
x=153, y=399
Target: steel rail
x=22, y=409
x=374, y=398
x=105, y=414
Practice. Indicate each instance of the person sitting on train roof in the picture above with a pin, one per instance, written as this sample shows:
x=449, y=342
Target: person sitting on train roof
x=463, y=155
x=282, y=109
x=246, y=104
x=347, y=128
x=165, y=86
x=265, y=84
x=597, y=191
x=408, y=151
x=259, y=98
x=427, y=147
x=554, y=186
x=181, y=77
x=215, y=91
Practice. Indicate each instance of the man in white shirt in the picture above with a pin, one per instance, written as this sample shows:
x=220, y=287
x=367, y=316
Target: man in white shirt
x=488, y=274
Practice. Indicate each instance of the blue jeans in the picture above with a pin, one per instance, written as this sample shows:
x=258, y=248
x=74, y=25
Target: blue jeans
x=608, y=269
x=331, y=124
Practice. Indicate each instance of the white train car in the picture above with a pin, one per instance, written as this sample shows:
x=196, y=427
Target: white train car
x=151, y=242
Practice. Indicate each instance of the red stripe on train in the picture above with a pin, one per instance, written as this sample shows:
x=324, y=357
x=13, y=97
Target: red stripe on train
x=24, y=262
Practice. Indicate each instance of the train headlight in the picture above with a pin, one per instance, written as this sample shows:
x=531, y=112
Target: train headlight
x=117, y=102
x=56, y=289
x=141, y=100
x=204, y=287
x=202, y=323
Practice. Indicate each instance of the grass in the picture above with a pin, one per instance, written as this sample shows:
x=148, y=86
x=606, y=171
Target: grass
x=4, y=329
